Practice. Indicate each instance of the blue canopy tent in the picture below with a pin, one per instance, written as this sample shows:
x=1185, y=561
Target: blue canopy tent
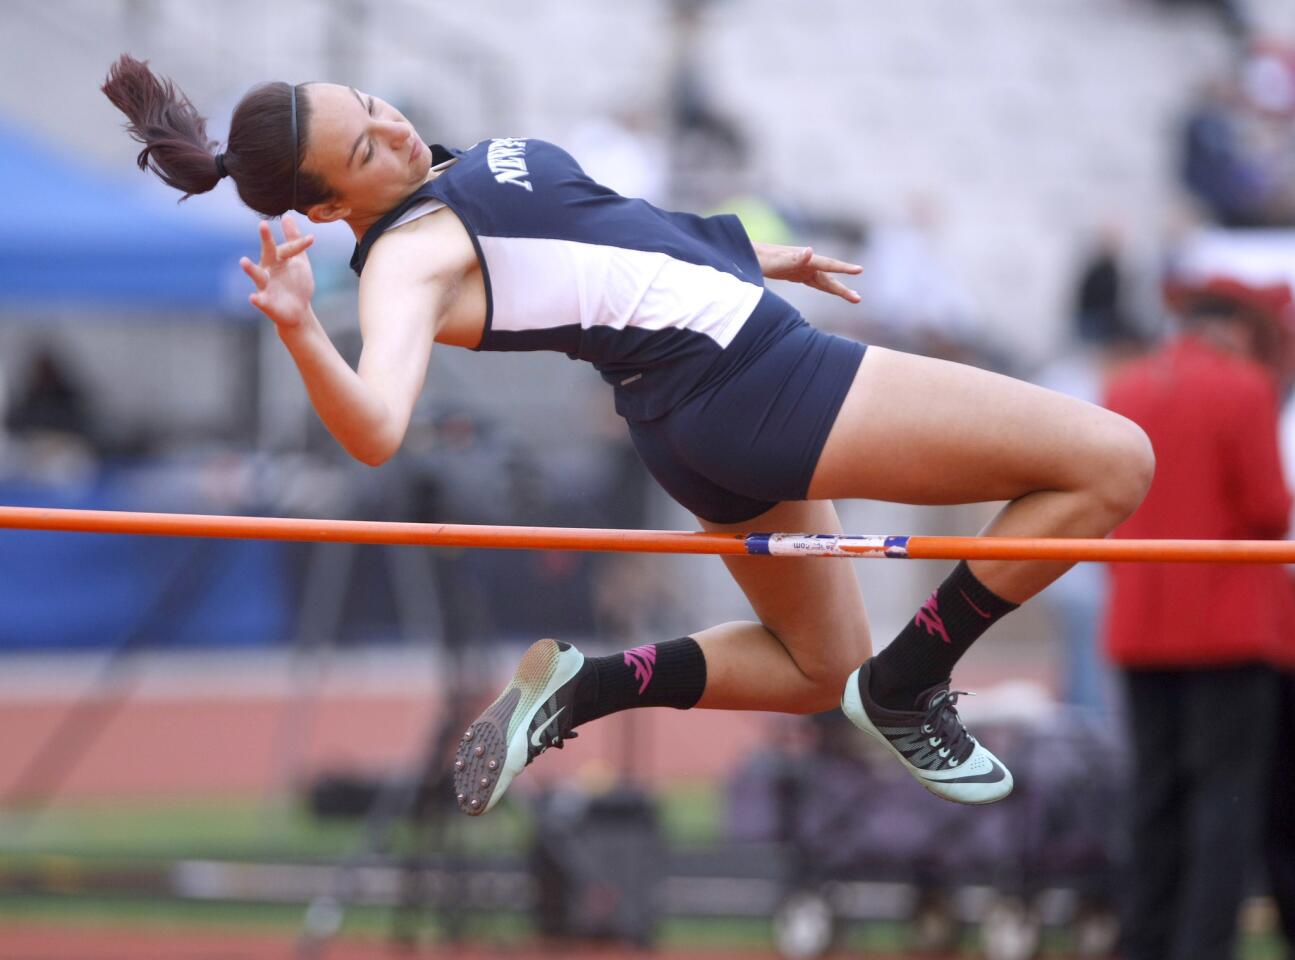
x=73, y=237
x=79, y=244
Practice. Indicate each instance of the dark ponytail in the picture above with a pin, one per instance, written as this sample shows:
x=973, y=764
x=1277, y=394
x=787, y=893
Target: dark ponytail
x=262, y=159
x=175, y=141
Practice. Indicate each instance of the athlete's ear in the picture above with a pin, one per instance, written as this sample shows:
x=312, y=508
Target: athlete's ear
x=327, y=212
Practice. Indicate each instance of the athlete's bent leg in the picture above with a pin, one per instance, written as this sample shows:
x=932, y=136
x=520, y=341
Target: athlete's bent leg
x=923, y=431
x=812, y=629
x=813, y=632
x=917, y=430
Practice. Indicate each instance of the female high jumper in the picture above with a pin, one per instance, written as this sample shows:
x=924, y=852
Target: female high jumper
x=746, y=415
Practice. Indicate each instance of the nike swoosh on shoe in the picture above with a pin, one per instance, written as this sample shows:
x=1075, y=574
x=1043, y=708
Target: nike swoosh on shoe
x=535, y=734
x=996, y=774
x=978, y=778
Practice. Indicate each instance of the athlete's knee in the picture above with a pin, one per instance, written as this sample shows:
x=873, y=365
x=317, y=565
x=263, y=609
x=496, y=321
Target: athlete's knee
x=1123, y=472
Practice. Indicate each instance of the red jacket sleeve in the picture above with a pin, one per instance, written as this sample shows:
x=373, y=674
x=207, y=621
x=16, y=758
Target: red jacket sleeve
x=1253, y=461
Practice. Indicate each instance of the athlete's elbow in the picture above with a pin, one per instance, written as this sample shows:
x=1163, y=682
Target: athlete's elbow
x=377, y=449
x=377, y=455
x=372, y=458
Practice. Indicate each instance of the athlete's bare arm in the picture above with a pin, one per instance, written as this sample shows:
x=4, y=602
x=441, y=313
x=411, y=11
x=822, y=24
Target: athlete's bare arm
x=404, y=301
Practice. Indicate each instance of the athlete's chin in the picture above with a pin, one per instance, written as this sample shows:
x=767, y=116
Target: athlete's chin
x=421, y=161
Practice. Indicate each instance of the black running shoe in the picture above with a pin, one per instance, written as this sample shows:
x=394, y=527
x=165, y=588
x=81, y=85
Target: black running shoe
x=930, y=741
x=531, y=715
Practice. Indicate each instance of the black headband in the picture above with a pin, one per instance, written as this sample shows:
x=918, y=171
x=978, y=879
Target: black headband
x=294, y=148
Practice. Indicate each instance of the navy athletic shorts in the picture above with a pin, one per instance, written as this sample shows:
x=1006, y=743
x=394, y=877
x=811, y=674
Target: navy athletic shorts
x=751, y=436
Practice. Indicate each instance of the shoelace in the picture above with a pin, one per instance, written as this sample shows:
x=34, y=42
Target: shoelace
x=944, y=728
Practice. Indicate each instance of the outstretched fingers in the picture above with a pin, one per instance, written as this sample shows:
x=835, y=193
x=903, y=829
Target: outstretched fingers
x=268, y=251
x=294, y=241
x=832, y=266
x=260, y=276
x=816, y=271
x=829, y=284
x=273, y=254
x=290, y=249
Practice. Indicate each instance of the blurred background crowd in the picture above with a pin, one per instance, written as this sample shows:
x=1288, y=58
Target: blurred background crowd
x=1097, y=195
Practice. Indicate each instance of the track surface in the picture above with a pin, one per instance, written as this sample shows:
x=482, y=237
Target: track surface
x=23, y=942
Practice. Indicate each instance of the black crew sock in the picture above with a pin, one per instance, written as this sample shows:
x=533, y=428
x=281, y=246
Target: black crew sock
x=669, y=674
x=951, y=620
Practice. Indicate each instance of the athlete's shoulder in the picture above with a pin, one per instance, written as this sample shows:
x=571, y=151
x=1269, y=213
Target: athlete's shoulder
x=434, y=246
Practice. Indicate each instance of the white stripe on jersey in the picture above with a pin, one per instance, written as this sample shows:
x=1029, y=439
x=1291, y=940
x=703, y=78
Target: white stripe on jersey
x=417, y=211
x=539, y=283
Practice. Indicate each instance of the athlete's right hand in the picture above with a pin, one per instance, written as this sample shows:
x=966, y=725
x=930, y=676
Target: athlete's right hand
x=284, y=281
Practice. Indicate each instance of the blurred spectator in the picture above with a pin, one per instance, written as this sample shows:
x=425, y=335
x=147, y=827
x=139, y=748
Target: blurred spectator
x=5, y=402
x=692, y=110
x=1279, y=835
x=1101, y=312
x=1230, y=12
x=54, y=436
x=1197, y=643
x=1237, y=142
x=51, y=401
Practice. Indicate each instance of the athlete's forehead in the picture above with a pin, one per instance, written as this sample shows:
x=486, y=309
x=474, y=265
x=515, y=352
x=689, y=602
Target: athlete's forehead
x=338, y=115
x=333, y=104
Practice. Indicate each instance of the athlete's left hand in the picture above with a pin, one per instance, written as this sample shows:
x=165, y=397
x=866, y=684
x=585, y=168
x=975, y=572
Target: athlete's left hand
x=803, y=265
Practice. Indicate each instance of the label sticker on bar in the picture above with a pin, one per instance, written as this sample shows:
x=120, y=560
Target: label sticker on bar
x=825, y=545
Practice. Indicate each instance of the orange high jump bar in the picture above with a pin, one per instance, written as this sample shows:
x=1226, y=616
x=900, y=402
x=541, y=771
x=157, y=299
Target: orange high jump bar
x=646, y=541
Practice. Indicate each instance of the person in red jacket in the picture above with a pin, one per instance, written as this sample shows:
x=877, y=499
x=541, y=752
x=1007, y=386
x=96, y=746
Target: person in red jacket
x=1196, y=643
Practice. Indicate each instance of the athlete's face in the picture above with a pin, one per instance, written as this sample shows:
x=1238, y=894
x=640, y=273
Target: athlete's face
x=364, y=149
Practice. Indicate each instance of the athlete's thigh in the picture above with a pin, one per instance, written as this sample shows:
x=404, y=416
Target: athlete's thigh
x=812, y=605
x=915, y=429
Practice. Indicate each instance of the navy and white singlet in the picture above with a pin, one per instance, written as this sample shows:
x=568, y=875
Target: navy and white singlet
x=729, y=394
